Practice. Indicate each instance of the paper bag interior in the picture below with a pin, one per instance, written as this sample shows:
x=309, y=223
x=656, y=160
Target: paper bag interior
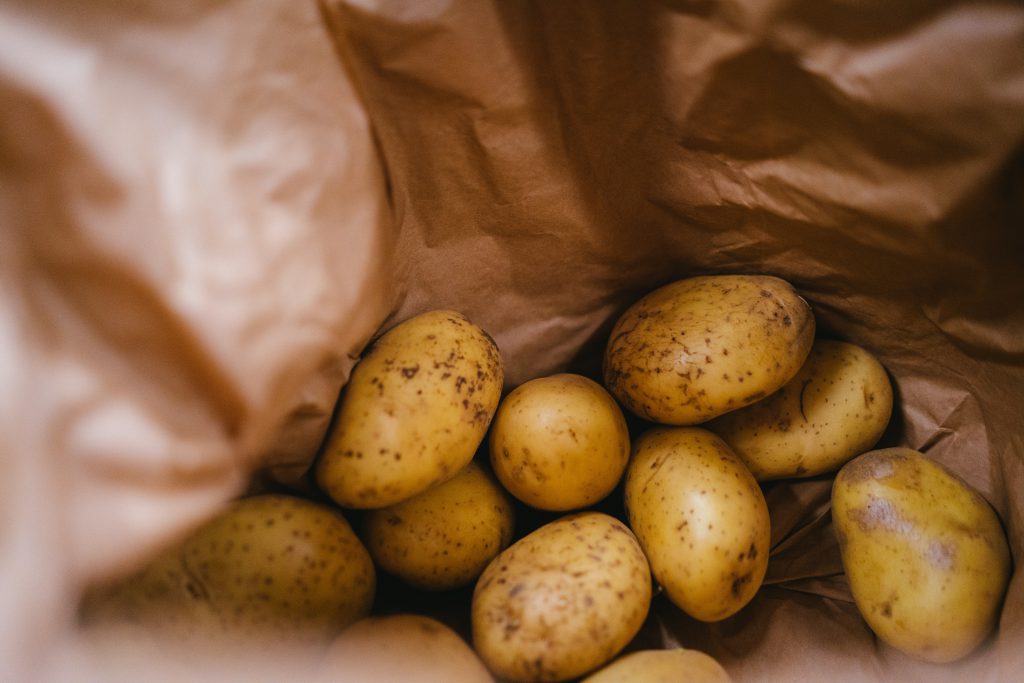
x=209, y=211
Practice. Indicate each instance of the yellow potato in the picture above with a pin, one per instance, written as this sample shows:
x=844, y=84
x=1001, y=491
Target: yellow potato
x=559, y=443
x=402, y=647
x=271, y=567
x=444, y=537
x=662, y=666
x=701, y=519
x=561, y=601
x=925, y=554
x=415, y=410
x=835, y=408
x=700, y=347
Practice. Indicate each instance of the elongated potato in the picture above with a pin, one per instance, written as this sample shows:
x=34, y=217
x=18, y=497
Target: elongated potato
x=835, y=408
x=925, y=554
x=444, y=537
x=700, y=347
x=662, y=666
x=701, y=519
x=559, y=442
x=415, y=410
x=406, y=648
x=561, y=601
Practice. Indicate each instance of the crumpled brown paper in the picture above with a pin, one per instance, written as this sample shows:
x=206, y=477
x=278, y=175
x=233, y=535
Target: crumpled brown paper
x=197, y=247
x=194, y=252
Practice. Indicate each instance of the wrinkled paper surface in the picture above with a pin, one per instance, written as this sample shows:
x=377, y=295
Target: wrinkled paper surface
x=208, y=209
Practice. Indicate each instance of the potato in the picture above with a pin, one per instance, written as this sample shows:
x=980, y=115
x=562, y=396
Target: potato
x=700, y=347
x=559, y=443
x=925, y=554
x=415, y=410
x=835, y=408
x=701, y=519
x=662, y=666
x=562, y=600
x=444, y=537
x=402, y=647
x=271, y=567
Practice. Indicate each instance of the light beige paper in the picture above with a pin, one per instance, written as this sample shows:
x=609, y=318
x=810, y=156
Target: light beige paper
x=194, y=251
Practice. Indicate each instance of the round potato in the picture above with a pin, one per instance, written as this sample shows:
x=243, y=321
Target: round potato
x=700, y=347
x=272, y=568
x=403, y=647
x=415, y=410
x=701, y=519
x=444, y=537
x=835, y=408
x=561, y=601
x=925, y=554
x=559, y=442
x=662, y=666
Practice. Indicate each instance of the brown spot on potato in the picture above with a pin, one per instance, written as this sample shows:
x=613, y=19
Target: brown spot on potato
x=737, y=584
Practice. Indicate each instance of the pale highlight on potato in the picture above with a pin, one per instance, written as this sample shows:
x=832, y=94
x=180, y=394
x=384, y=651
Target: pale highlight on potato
x=698, y=348
x=662, y=666
x=415, y=410
x=561, y=601
x=406, y=648
x=701, y=519
x=925, y=554
x=271, y=568
x=835, y=408
x=444, y=537
x=559, y=442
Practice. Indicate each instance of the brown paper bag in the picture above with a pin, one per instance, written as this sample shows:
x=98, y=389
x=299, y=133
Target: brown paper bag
x=209, y=210
x=571, y=156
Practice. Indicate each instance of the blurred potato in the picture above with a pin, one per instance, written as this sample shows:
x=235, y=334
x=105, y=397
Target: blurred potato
x=406, y=648
x=273, y=569
x=662, y=666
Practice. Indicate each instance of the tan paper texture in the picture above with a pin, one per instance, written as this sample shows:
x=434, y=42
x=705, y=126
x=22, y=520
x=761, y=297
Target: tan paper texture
x=193, y=255
x=205, y=222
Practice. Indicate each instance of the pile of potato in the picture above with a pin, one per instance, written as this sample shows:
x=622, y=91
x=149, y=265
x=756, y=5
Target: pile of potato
x=926, y=556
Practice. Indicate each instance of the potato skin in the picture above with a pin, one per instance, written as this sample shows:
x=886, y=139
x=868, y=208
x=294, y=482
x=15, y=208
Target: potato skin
x=415, y=410
x=272, y=568
x=700, y=347
x=662, y=666
x=403, y=647
x=562, y=600
x=925, y=554
x=836, y=407
x=559, y=443
x=444, y=537
x=701, y=519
